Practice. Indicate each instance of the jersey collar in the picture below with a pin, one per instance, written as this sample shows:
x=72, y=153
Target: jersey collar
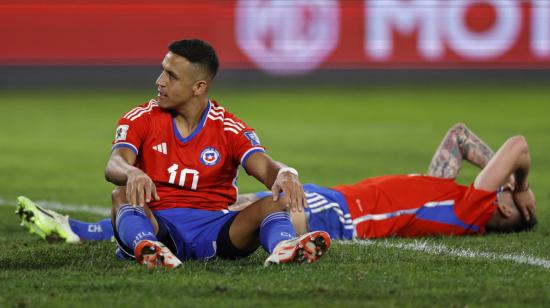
x=197, y=130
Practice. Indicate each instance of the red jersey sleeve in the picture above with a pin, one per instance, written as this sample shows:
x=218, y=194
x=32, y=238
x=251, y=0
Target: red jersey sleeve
x=476, y=207
x=243, y=140
x=132, y=128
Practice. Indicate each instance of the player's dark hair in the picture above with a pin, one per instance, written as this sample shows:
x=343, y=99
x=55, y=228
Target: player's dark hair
x=525, y=225
x=521, y=225
x=197, y=52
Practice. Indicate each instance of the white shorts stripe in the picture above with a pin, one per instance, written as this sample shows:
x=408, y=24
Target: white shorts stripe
x=314, y=197
x=317, y=204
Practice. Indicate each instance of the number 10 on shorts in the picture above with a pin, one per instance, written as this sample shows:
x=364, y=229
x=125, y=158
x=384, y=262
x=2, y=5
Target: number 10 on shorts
x=173, y=171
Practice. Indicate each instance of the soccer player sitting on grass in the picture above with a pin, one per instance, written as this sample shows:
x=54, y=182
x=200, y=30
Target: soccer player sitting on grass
x=499, y=200
x=175, y=161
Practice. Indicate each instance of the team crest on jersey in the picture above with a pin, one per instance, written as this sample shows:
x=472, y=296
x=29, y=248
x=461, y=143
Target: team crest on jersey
x=254, y=140
x=121, y=132
x=210, y=156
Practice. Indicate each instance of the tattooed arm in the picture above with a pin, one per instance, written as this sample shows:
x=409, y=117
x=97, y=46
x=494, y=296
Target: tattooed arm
x=459, y=144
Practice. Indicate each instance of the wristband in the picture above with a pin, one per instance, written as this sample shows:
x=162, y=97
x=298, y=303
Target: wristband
x=287, y=169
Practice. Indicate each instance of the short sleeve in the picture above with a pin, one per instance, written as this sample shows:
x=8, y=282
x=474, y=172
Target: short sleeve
x=243, y=139
x=131, y=130
x=476, y=207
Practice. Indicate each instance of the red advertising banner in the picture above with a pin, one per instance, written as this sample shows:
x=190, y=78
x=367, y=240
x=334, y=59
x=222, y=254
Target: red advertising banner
x=279, y=36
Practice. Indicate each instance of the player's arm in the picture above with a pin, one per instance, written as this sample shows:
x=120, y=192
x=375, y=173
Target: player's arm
x=459, y=144
x=277, y=177
x=511, y=159
x=121, y=171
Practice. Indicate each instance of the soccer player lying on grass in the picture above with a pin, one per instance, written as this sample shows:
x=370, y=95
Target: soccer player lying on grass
x=499, y=200
x=175, y=161
x=387, y=206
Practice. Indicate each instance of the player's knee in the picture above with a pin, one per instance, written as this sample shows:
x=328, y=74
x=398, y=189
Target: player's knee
x=118, y=197
x=276, y=206
x=267, y=206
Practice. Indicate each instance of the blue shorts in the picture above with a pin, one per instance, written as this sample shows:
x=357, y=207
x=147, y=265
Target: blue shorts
x=189, y=233
x=327, y=211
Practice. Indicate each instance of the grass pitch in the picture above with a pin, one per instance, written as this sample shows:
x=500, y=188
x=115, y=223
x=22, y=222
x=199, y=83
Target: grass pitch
x=54, y=146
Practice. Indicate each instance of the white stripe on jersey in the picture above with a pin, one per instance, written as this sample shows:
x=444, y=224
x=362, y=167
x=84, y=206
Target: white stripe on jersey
x=385, y=216
x=144, y=111
x=127, y=114
x=229, y=129
x=233, y=122
x=217, y=113
x=229, y=125
x=136, y=110
x=219, y=108
x=211, y=117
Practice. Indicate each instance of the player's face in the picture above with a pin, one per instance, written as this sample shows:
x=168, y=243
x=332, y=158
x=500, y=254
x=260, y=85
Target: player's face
x=507, y=214
x=176, y=84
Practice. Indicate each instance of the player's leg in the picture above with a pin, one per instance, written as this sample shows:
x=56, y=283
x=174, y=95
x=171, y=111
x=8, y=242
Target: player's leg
x=263, y=216
x=135, y=230
x=458, y=144
x=92, y=231
x=267, y=223
x=45, y=223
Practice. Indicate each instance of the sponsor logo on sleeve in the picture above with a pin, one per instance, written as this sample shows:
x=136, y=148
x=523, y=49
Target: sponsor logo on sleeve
x=210, y=156
x=254, y=140
x=121, y=132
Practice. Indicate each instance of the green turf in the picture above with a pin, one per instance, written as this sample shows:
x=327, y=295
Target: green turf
x=54, y=146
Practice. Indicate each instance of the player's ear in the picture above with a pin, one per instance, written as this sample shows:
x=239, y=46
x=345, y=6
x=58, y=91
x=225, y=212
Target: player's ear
x=200, y=87
x=504, y=210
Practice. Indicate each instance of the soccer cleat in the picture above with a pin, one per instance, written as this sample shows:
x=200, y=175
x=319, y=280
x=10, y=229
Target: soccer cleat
x=306, y=248
x=154, y=254
x=45, y=223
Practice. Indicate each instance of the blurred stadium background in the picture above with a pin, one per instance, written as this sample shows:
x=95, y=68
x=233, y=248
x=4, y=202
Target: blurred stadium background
x=113, y=43
x=340, y=90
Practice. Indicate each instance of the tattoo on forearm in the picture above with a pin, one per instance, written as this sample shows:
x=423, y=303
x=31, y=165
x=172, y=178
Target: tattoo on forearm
x=458, y=144
x=447, y=160
x=475, y=150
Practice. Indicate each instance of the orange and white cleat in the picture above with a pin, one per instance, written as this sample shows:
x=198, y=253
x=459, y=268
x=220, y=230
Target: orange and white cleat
x=154, y=254
x=306, y=248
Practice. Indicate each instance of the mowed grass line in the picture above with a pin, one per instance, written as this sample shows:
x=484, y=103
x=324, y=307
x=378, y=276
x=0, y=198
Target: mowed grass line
x=54, y=146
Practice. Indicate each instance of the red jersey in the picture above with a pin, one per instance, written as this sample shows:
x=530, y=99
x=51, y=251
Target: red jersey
x=414, y=205
x=199, y=171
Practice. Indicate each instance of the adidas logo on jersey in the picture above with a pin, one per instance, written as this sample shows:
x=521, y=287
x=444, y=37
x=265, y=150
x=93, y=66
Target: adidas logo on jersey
x=161, y=148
